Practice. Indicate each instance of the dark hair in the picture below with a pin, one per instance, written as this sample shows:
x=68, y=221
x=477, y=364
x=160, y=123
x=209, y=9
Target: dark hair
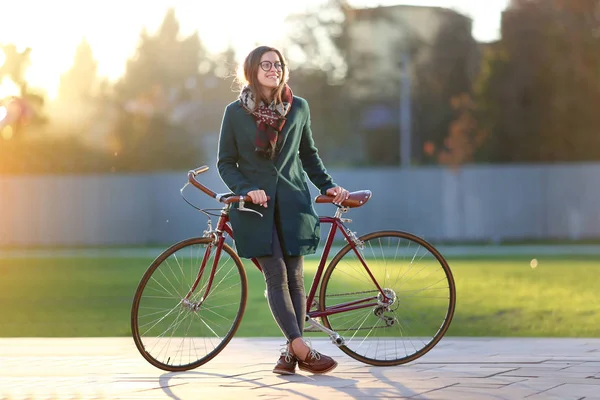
x=248, y=72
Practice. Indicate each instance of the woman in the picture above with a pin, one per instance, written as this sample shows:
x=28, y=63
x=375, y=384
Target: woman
x=265, y=149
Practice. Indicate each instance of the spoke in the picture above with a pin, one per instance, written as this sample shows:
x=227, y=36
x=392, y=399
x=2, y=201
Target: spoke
x=159, y=320
x=217, y=314
x=361, y=269
x=164, y=288
x=167, y=279
x=160, y=297
x=175, y=275
x=425, y=297
x=209, y=328
x=363, y=322
x=415, y=274
x=162, y=310
x=183, y=339
x=216, y=286
x=163, y=335
x=221, y=306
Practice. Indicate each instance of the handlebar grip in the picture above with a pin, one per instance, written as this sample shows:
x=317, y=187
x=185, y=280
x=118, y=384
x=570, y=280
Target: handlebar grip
x=199, y=170
x=236, y=199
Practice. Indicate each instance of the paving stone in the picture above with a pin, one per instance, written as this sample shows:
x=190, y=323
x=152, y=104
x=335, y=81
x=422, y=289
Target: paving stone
x=458, y=368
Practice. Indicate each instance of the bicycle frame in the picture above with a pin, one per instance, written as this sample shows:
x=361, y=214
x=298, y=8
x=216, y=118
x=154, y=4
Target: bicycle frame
x=336, y=224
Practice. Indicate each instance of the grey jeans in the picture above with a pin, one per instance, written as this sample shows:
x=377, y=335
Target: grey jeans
x=284, y=276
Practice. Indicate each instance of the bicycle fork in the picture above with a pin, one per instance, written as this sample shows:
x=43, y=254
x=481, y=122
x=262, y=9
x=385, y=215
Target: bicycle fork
x=187, y=301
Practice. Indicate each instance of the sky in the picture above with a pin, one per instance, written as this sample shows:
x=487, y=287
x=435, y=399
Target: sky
x=53, y=29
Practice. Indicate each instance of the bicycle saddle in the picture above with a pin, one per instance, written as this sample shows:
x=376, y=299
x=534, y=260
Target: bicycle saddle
x=355, y=199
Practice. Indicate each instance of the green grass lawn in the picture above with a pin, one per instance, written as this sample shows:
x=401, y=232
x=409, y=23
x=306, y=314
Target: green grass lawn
x=66, y=297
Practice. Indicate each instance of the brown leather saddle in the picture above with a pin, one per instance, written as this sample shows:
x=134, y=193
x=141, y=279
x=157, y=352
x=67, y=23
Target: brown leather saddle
x=355, y=199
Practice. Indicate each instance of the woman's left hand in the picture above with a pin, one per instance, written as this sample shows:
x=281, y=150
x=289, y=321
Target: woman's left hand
x=339, y=193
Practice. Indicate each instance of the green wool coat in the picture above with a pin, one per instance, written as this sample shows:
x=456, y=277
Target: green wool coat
x=290, y=206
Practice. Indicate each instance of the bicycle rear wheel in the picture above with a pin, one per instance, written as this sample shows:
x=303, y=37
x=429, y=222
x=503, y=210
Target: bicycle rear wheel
x=175, y=331
x=415, y=312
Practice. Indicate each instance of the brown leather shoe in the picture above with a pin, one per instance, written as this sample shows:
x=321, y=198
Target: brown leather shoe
x=317, y=363
x=286, y=365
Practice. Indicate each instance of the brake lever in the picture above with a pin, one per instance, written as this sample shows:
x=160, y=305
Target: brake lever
x=242, y=208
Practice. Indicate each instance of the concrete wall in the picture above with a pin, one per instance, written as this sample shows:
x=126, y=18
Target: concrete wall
x=477, y=203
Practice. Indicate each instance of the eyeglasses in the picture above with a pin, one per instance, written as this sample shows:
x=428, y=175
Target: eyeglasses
x=266, y=65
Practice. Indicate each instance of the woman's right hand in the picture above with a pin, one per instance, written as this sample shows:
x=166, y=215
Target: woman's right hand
x=258, y=197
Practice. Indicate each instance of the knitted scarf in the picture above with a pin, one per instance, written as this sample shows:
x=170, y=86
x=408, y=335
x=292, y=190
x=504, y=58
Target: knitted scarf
x=270, y=120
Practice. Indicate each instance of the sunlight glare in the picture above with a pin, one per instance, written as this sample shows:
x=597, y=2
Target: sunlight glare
x=3, y=113
x=2, y=58
x=7, y=133
x=52, y=53
x=8, y=88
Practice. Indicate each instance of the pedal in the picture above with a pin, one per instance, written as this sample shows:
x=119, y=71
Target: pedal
x=337, y=340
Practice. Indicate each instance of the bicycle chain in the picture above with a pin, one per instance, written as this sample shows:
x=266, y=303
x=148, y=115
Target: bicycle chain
x=346, y=294
x=348, y=329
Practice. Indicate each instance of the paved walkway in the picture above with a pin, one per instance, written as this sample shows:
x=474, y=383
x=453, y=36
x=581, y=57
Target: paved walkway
x=457, y=368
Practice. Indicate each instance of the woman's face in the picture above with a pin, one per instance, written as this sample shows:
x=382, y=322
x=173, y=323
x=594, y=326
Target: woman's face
x=270, y=70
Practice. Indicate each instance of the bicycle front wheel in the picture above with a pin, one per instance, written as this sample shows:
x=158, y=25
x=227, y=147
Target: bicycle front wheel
x=407, y=317
x=187, y=308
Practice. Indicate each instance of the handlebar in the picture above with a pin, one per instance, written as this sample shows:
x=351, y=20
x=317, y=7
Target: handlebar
x=355, y=199
x=223, y=198
x=192, y=179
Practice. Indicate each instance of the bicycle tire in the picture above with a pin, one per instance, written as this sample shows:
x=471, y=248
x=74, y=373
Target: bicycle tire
x=331, y=321
x=173, y=293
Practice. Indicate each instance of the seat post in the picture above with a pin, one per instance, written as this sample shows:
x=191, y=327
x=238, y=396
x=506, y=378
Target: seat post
x=340, y=211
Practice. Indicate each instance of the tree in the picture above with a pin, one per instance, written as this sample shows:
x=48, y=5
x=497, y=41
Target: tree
x=329, y=115
x=444, y=81
x=464, y=135
x=319, y=39
x=79, y=82
x=318, y=51
x=14, y=65
x=159, y=80
x=163, y=59
x=217, y=87
x=540, y=85
x=21, y=108
x=75, y=105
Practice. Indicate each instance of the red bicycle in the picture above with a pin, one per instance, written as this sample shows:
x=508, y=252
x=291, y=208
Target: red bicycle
x=386, y=298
